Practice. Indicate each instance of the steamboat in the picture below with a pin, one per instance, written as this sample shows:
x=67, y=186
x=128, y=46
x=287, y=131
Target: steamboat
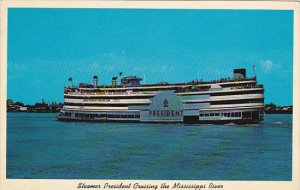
x=239, y=99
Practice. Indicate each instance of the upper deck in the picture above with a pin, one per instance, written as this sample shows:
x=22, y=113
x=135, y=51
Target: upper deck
x=178, y=88
x=131, y=85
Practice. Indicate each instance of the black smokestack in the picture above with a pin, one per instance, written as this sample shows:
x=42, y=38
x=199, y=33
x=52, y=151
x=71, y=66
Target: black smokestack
x=114, y=81
x=95, y=81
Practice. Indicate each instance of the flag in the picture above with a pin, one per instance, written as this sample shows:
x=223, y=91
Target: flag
x=70, y=79
x=253, y=67
x=120, y=73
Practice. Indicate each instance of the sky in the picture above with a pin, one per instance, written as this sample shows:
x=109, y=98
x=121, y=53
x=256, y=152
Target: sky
x=47, y=46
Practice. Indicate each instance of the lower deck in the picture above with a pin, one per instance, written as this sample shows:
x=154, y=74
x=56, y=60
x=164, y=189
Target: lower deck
x=211, y=117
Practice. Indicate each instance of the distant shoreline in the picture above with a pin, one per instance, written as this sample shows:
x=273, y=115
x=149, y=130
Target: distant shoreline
x=31, y=112
x=279, y=112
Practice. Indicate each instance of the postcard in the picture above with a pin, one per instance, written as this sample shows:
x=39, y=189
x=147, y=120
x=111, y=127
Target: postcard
x=151, y=95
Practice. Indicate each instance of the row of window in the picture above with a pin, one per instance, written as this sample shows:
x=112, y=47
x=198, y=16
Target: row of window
x=231, y=114
x=109, y=97
x=244, y=114
x=237, y=93
x=104, y=104
x=91, y=116
x=83, y=115
x=245, y=101
x=123, y=116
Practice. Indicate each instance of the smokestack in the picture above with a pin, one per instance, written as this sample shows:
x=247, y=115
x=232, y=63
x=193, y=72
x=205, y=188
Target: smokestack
x=95, y=80
x=239, y=74
x=114, y=82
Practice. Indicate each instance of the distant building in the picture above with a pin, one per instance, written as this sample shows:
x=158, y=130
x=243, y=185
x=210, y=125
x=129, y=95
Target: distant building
x=42, y=107
x=274, y=109
x=9, y=101
x=10, y=106
x=23, y=109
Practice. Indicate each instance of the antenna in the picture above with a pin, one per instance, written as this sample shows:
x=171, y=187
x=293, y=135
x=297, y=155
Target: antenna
x=253, y=67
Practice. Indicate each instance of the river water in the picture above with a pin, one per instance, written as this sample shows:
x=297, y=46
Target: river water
x=39, y=147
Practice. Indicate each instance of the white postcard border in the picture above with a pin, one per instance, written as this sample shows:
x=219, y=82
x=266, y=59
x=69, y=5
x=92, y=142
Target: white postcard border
x=29, y=184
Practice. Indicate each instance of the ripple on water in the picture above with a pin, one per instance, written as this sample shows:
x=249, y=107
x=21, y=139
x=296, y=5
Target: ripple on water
x=38, y=146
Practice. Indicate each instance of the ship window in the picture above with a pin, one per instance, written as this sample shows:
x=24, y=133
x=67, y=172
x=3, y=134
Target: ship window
x=76, y=114
x=247, y=114
x=217, y=114
x=211, y=114
x=232, y=114
x=201, y=115
x=206, y=115
x=235, y=102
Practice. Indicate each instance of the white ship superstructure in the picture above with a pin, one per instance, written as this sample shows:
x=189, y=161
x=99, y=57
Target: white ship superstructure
x=236, y=100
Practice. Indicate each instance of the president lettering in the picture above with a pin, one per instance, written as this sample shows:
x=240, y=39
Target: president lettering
x=165, y=113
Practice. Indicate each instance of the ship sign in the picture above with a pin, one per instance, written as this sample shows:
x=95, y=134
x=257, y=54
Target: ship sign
x=166, y=103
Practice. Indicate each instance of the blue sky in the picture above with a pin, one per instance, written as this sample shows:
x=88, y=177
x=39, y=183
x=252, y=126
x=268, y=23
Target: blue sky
x=47, y=46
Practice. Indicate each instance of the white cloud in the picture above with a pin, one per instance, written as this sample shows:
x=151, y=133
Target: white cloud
x=267, y=65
